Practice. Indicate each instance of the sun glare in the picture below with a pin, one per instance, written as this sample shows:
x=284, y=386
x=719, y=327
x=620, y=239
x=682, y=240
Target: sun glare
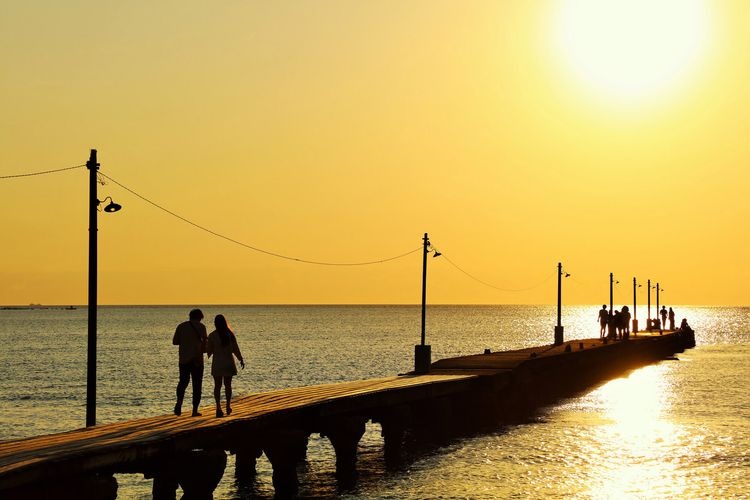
x=632, y=49
x=638, y=434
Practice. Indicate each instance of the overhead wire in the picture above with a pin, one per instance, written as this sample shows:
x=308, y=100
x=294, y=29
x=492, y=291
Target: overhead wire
x=490, y=284
x=41, y=173
x=268, y=252
x=251, y=247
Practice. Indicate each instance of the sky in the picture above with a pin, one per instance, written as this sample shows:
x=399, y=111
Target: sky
x=609, y=136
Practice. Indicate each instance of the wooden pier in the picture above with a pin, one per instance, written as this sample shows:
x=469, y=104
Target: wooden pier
x=457, y=395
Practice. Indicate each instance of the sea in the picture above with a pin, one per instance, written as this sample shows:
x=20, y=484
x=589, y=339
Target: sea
x=679, y=428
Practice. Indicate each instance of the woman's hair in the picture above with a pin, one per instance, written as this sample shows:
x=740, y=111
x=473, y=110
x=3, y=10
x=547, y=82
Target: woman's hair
x=225, y=333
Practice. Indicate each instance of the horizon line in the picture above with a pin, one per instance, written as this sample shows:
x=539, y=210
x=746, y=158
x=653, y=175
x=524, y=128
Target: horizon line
x=288, y=304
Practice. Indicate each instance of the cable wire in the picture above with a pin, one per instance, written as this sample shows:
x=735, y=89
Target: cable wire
x=273, y=254
x=497, y=287
x=40, y=173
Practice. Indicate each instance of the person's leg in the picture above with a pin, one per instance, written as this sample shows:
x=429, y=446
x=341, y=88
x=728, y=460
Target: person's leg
x=228, y=391
x=181, y=386
x=217, y=395
x=196, y=373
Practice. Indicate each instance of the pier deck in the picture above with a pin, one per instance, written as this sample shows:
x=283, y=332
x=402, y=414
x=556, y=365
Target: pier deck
x=141, y=445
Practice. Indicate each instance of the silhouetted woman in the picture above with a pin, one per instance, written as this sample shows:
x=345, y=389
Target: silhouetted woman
x=671, y=319
x=222, y=344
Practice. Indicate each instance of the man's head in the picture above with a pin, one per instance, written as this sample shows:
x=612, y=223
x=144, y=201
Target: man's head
x=196, y=315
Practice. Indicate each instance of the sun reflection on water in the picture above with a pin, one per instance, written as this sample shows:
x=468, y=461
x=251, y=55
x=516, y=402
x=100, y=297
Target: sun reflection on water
x=636, y=441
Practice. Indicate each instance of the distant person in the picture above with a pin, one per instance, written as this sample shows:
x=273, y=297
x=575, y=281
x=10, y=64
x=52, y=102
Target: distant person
x=625, y=322
x=617, y=325
x=684, y=327
x=222, y=344
x=603, y=319
x=671, y=319
x=191, y=337
x=663, y=314
x=611, y=325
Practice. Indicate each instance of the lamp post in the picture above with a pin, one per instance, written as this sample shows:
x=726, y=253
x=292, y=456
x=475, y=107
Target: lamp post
x=648, y=320
x=610, y=324
x=635, y=307
x=661, y=327
x=422, y=352
x=559, y=328
x=93, y=166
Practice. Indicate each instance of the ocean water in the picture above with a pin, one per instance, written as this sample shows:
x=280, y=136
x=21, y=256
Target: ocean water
x=675, y=429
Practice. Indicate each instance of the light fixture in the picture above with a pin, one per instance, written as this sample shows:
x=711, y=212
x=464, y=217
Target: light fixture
x=111, y=206
x=436, y=253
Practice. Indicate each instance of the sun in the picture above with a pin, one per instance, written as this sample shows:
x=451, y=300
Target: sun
x=632, y=50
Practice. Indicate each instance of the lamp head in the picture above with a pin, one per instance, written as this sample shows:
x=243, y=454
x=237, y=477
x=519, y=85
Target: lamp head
x=436, y=254
x=111, y=206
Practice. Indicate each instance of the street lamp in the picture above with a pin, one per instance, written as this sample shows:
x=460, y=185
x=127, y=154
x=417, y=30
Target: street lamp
x=611, y=305
x=635, y=307
x=661, y=326
x=422, y=352
x=93, y=167
x=559, y=328
x=648, y=321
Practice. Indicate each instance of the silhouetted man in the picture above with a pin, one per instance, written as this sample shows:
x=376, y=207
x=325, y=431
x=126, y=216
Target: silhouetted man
x=603, y=320
x=191, y=337
x=663, y=313
x=625, y=322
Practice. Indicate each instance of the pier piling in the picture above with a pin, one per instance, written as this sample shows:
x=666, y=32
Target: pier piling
x=282, y=447
x=344, y=434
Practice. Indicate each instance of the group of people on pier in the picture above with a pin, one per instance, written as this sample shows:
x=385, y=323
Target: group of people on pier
x=615, y=324
x=193, y=342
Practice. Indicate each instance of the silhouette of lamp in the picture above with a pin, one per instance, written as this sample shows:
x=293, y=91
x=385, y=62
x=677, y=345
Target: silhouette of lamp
x=658, y=291
x=422, y=352
x=111, y=206
x=93, y=167
x=559, y=328
x=636, y=286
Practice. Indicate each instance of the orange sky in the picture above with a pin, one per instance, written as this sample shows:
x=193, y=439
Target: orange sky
x=518, y=134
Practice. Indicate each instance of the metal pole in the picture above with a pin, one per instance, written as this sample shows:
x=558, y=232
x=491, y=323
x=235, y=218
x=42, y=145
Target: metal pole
x=424, y=282
x=93, y=166
x=635, y=307
x=611, y=279
x=559, y=330
x=422, y=352
x=657, y=306
x=559, y=293
x=648, y=320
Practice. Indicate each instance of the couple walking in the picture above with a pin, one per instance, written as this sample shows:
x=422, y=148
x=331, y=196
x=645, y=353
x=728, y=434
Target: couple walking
x=192, y=340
